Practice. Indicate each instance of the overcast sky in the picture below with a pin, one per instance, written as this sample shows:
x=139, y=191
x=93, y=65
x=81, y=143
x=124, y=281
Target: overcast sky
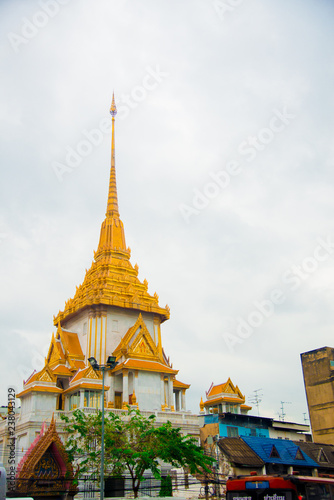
x=224, y=157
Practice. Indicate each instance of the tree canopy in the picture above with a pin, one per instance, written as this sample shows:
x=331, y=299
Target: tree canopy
x=133, y=443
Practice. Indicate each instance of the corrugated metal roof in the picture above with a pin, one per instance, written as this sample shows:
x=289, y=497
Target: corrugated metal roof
x=323, y=454
x=287, y=451
x=239, y=452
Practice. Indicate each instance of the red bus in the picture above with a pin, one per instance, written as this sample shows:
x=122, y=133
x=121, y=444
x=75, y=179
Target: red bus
x=289, y=487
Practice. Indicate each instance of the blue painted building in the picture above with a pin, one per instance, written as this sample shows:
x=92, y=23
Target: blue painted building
x=238, y=425
x=225, y=414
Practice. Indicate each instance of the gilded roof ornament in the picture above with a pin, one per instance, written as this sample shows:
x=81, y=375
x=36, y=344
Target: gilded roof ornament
x=113, y=109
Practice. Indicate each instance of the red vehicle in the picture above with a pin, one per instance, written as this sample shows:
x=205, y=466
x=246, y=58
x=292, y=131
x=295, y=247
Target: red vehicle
x=289, y=487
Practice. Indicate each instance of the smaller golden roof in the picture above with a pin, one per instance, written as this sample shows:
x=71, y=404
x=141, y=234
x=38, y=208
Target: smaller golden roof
x=180, y=385
x=226, y=392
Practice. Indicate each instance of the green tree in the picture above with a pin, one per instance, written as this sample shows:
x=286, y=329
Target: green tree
x=133, y=443
x=166, y=489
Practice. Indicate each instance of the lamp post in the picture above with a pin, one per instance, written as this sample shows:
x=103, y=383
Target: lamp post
x=110, y=365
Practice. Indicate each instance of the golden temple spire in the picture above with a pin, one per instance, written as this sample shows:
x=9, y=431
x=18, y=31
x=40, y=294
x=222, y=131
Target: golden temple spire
x=112, y=206
x=112, y=237
x=111, y=279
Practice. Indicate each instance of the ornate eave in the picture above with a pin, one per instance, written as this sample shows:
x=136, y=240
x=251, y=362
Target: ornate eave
x=146, y=366
x=64, y=359
x=112, y=281
x=177, y=384
x=86, y=378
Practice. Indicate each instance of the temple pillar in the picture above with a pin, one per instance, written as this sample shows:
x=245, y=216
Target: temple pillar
x=177, y=400
x=170, y=393
x=135, y=384
x=162, y=391
x=111, y=392
x=125, y=387
x=82, y=398
x=183, y=400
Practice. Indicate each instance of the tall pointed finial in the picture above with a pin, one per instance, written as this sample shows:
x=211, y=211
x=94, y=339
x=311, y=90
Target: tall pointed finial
x=113, y=109
x=112, y=207
x=112, y=236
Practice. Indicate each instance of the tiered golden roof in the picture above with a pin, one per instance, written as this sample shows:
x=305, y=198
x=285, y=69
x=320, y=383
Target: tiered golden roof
x=226, y=392
x=112, y=280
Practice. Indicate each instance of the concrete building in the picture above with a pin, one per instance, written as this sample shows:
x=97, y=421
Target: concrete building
x=318, y=372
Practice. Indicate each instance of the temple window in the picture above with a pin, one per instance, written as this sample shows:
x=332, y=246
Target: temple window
x=92, y=399
x=74, y=400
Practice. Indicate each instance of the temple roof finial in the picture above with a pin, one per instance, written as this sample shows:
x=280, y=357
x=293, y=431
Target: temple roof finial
x=112, y=207
x=113, y=109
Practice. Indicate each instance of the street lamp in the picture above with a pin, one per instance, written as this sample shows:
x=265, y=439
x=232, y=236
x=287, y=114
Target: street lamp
x=110, y=365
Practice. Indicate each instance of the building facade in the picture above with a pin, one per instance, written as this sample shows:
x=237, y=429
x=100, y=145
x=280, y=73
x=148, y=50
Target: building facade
x=318, y=372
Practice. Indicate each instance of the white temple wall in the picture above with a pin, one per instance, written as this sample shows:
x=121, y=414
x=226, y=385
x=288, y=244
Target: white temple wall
x=102, y=334
x=148, y=391
x=45, y=401
x=118, y=383
x=26, y=404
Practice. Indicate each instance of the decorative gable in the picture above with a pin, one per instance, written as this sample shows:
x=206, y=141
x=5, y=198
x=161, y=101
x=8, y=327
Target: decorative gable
x=46, y=375
x=229, y=387
x=138, y=343
x=56, y=353
x=45, y=462
x=143, y=349
x=92, y=374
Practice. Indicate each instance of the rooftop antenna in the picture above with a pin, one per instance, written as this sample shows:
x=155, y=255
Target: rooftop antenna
x=256, y=399
x=305, y=417
x=283, y=414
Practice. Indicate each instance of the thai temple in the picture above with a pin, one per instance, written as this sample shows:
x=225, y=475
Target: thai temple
x=111, y=313
x=224, y=398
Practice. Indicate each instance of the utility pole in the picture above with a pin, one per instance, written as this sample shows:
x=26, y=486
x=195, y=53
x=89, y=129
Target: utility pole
x=110, y=365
